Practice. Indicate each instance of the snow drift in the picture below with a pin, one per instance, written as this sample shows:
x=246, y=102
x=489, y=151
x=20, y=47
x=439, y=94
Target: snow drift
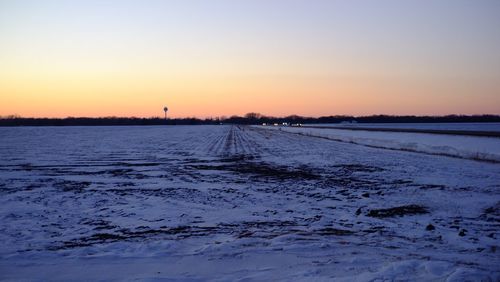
x=468, y=147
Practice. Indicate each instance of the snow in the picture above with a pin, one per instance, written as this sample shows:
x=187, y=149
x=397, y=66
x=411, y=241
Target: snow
x=470, y=147
x=226, y=203
x=464, y=126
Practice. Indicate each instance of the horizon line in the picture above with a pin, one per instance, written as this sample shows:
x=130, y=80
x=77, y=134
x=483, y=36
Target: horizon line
x=14, y=116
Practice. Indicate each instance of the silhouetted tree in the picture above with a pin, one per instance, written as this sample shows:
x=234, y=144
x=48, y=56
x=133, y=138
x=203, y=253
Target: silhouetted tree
x=251, y=118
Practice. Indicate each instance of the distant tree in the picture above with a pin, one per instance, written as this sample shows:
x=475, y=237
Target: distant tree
x=14, y=116
x=253, y=116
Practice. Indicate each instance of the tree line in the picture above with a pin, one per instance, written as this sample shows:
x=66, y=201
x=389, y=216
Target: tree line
x=250, y=118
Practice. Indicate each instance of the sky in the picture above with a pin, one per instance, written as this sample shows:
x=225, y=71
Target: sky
x=203, y=58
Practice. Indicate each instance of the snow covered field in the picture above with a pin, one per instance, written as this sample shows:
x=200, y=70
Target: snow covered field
x=469, y=147
x=466, y=126
x=231, y=203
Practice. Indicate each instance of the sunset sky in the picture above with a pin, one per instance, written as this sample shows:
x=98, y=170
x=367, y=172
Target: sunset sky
x=223, y=57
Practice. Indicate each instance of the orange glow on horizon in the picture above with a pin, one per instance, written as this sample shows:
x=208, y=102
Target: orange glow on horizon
x=226, y=96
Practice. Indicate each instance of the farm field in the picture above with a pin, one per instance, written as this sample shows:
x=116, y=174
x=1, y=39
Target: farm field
x=459, y=146
x=231, y=203
x=465, y=126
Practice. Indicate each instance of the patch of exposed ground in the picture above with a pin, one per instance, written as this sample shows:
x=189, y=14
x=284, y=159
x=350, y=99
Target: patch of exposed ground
x=398, y=211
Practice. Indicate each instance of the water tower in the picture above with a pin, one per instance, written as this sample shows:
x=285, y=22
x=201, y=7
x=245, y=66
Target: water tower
x=165, y=109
